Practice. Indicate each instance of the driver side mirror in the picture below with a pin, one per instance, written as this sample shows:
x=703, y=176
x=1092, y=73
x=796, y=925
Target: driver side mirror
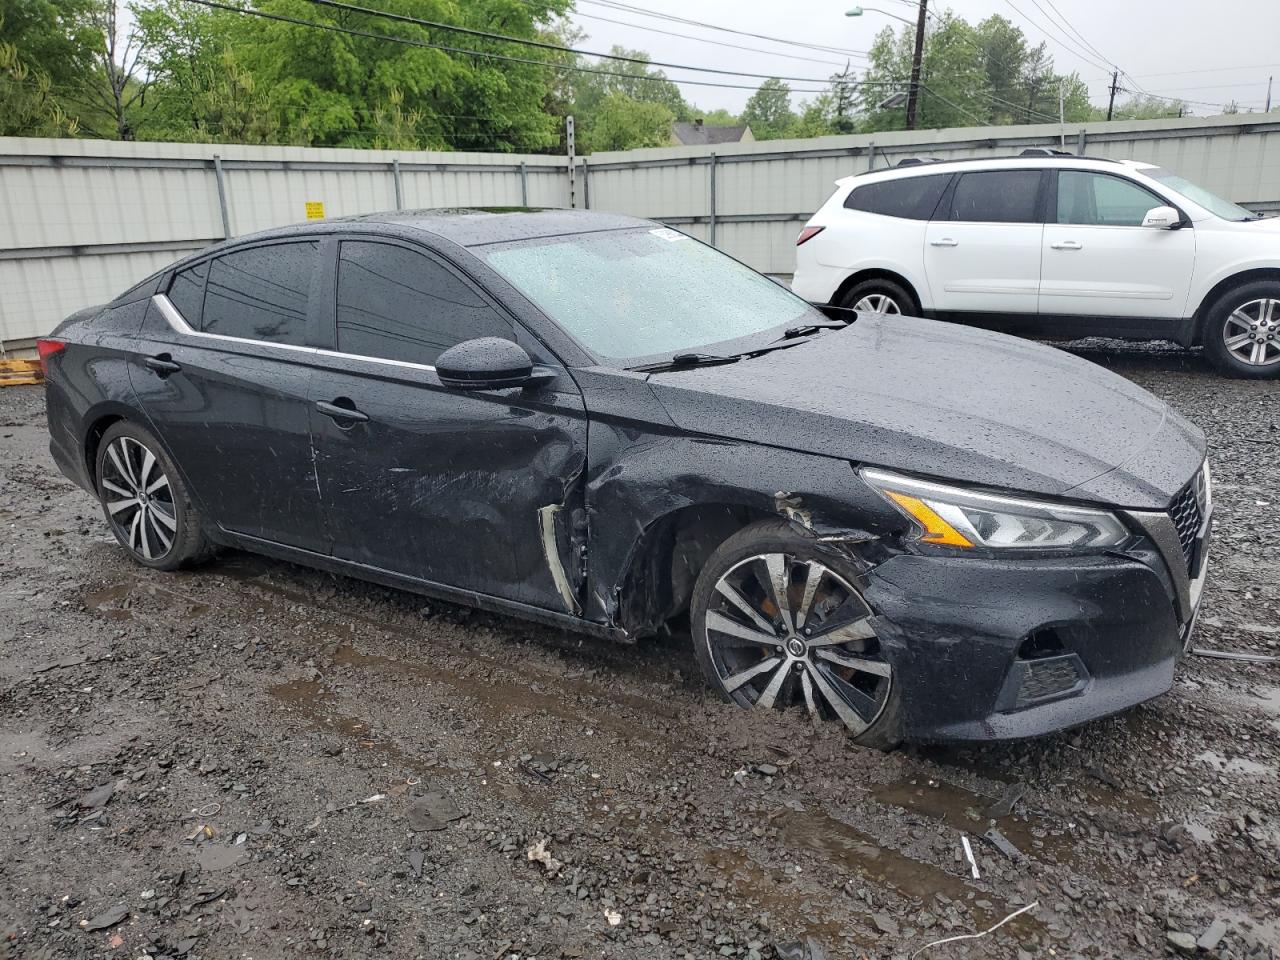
x=1162, y=218
x=489, y=363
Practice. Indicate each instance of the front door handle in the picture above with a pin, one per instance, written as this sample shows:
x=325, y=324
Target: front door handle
x=944, y=242
x=162, y=364
x=1067, y=245
x=341, y=409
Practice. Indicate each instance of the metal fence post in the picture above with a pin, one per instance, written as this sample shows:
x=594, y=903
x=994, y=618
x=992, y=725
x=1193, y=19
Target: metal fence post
x=222, y=196
x=524, y=184
x=1080, y=143
x=395, y=174
x=871, y=155
x=712, y=203
x=586, y=185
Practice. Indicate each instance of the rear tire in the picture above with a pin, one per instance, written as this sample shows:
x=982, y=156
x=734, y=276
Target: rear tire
x=147, y=506
x=817, y=651
x=880, y=296
x=1241, y=332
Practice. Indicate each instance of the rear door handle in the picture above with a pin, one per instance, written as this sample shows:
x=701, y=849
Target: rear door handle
x=1067, y=245
x=162, y=364
x=944, y=242
x=341, y=409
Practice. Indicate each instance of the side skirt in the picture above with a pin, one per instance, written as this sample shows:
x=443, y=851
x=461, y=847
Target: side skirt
x=1068, y=326
x=427, y=588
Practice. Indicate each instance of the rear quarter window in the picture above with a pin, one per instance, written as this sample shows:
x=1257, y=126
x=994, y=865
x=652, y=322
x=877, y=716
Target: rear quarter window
x=910, y=198
x=186, y=293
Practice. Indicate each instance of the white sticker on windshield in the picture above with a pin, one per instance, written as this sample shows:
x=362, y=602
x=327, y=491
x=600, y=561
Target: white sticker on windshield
x=666, y=233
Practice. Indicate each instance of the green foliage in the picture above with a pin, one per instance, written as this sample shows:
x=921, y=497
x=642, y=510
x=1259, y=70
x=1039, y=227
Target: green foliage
x=620, y=123
x=768, y=111
x=634, y=108
x=1141, y=107
x=27, y=104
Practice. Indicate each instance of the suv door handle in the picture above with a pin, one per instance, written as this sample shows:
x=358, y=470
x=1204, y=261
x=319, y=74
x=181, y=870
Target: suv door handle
x=341, y=409
x=1067, y=245
x=944, y=242
x=162, y=364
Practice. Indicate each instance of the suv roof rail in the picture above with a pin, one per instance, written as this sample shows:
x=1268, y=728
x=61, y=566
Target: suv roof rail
x=915, y=161
x=1045, y=152
x=1028, y=153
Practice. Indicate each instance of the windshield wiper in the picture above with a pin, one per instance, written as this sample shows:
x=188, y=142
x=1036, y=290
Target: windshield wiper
x=810, y=328
x=682, y=360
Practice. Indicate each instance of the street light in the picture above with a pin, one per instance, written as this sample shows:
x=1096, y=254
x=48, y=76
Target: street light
x=891, y=101
x=913, y=95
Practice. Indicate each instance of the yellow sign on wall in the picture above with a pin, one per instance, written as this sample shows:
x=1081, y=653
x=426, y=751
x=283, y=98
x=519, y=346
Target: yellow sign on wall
x=315, y=209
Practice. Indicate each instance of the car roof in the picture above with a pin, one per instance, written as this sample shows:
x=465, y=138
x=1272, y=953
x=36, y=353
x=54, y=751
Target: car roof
x=469, y=226
x=925, y=167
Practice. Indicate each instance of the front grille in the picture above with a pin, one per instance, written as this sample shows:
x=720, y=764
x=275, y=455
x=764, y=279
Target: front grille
x=1046, y=678
x=1188, y=516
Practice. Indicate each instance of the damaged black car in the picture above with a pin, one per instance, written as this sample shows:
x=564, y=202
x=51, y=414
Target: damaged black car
x=918, y=530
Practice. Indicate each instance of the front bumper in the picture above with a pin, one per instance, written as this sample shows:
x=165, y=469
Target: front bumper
x=1000, y=649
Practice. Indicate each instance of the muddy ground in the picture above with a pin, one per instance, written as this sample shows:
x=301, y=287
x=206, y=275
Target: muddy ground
x=253, y=759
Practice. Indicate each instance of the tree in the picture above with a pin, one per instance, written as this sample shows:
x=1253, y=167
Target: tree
x=1004, y=55
x=602, y=100
x=106, y=96
x=768, y=111
x=27, y=104
x=621, y=123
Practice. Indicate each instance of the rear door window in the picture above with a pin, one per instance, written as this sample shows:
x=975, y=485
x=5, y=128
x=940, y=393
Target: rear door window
x=261, y=293
x=997, y=196
x=910, y=198
x=396, y=303
x=186, y=292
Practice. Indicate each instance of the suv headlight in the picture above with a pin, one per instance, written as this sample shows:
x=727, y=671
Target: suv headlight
x=955, y=517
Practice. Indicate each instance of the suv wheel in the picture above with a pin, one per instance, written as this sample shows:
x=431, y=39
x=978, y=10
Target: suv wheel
x=778, y=621
x=145, y=502
x=879, y=296
x=1242, y=331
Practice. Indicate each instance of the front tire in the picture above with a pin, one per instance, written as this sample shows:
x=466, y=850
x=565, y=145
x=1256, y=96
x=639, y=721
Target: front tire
x=1242, y=331
x=879, y=296
x=778, y=620
x=146, y=504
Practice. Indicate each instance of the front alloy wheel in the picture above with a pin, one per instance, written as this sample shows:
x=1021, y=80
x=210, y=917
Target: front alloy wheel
x=877, y=303
x=1251, y=332
x=782, y=630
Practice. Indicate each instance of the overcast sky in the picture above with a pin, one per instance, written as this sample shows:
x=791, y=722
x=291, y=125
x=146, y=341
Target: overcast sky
x=1207, y=53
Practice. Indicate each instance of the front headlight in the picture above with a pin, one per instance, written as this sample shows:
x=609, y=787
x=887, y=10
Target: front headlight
x=955, y=517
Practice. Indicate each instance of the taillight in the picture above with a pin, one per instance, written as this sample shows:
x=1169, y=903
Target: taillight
x=808, y=233
x=46, y=349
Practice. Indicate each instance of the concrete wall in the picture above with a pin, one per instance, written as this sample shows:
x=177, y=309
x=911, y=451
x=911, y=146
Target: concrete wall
x=82, y=220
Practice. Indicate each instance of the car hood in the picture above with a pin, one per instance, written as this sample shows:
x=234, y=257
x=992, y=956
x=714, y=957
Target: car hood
x=950, y=402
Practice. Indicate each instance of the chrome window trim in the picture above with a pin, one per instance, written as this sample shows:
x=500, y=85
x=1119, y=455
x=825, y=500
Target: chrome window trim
x=179, y=324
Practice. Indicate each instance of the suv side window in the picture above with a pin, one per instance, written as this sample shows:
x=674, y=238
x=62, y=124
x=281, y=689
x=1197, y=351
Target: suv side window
x=186, y=292
x=395, y=303
x=1099, y=199
x=261, y=293
x=996, y=196
x=911, y=198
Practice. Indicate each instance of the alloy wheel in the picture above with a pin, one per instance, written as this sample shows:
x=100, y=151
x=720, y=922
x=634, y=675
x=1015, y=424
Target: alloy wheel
x=782, y=631
x=1252, y=332
x=138, y=498
x=877, y=303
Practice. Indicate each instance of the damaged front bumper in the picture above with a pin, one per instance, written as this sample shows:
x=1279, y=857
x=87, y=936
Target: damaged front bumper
x=1000, y=649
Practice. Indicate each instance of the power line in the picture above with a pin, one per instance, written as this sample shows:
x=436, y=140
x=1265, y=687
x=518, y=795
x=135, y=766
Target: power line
x=641, y=11
x=543, y=45
x=718, y=43
x=550, y=65
x=1088, y=58
x=1067, y=23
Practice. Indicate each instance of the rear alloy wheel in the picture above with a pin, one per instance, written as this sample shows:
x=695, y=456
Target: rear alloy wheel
x=882, y=297
x=784, y=627
x=1242, y=332
x=144, y=500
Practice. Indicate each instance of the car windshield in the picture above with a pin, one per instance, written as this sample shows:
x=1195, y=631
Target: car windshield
x=646, y=293
x=1199, y=195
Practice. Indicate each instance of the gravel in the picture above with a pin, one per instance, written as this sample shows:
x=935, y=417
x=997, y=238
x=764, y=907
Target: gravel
x=255, y=759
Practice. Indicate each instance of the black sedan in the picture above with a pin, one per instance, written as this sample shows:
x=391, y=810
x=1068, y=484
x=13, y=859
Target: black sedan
x=920, y=530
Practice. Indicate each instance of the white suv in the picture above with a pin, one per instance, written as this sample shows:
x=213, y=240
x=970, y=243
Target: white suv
x=1053, y=246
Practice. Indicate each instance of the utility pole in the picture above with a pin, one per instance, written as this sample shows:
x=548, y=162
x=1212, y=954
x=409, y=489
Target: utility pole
x=913, y=94
x=1111, y=104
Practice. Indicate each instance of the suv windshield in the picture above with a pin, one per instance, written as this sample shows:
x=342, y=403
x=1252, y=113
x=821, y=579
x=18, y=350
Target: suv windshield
x=646, y=293
x=1199, y=195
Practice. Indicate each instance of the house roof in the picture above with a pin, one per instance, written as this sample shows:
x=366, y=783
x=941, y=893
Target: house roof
x=691, y=134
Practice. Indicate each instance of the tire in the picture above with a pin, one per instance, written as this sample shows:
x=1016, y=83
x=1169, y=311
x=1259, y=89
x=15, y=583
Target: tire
x=880, y=296
x=783, y=669
x=165, y=530
x=1249, y=310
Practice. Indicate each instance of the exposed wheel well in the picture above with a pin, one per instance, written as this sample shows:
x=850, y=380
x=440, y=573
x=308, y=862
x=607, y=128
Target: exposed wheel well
x=856, y=278
x=1236, y=280
x=667, y=559
x=92, y=440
